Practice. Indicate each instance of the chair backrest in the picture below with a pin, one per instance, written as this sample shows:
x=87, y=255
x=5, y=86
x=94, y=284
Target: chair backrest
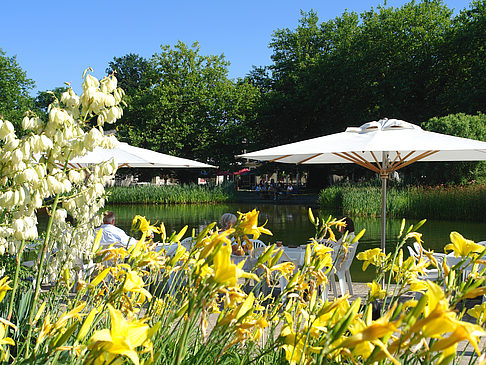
x=345, y=264
x=412, y=252
x=257, y=251
x=258, y=244
x=418, y=247
x=187, y=243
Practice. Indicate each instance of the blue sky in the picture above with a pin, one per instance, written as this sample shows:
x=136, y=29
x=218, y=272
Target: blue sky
x=54, y=41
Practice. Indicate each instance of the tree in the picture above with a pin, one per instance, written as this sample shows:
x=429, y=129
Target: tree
x=190, y=108
x=45, y=98
x=133, y=72
x=14, y=90
x=460, y=125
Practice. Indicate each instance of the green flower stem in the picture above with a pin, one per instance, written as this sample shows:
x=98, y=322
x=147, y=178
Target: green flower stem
x=18, y=260
x=39, y=274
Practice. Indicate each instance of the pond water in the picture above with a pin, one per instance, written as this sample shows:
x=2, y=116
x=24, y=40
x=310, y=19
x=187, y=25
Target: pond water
x=290, y=224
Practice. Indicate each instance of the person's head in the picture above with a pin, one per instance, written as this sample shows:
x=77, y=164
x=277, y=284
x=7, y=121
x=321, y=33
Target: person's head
x=109, y=218
x=227, y=220
x=349, y=225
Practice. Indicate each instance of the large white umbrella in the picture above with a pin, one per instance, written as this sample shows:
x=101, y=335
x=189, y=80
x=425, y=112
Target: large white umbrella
x=126, y=155
x=383, y=146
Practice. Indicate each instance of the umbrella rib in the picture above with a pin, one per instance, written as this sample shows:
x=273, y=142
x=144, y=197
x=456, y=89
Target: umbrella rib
x=367, y=163
x=279, y=158
x=417, y=158
x=395, y=159
x=358, y=162
x=402, y=160
x=309, y=158
x=380, y=167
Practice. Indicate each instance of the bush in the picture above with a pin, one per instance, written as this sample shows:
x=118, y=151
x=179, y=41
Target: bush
x=171, y=194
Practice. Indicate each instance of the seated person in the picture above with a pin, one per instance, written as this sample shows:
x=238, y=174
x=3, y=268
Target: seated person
x=227, y=221
x=112, y=234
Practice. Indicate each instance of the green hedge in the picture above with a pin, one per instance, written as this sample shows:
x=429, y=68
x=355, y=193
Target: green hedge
x=171, y=194
x=440, y=202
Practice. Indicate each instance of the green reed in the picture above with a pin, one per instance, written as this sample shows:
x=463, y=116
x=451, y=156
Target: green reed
x=439, y=202
x=171, y=194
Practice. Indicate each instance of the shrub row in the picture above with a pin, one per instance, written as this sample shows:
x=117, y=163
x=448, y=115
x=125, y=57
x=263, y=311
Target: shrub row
x=171, y=194
x=440, y=202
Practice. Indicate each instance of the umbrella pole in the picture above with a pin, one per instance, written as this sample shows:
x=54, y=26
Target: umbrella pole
x=384, y=174
x=384, y=178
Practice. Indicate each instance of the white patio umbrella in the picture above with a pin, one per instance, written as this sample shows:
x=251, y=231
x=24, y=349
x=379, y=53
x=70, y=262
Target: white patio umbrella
x=129, y=156
x=383, y=146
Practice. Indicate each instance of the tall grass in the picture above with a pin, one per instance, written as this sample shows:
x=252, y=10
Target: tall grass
x=171, y=194
x=440, y=202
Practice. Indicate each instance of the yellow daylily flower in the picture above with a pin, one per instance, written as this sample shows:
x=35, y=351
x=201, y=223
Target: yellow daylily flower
x=142, y=224
x=478, y=312
x=461, y=246
x=5, y=341
x=225, y=271
x=214, y=240
x=463, y=331
x=123, y=339
x=374, y=257
x=418, y=285
x=4, y=287
x=376, y=330
x=376, y=291
x=249, y=224
x=134, y=284
x=285, y=268
x=440, y=320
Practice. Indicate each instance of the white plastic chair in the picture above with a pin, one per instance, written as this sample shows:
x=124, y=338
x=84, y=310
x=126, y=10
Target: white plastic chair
x=187, y=243
x=342, y=266
x=258, y=248
x=430, y=274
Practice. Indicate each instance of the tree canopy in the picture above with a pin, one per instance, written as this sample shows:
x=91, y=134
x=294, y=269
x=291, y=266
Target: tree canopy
x=413, y=63
x=14, y=89
x=189, y=107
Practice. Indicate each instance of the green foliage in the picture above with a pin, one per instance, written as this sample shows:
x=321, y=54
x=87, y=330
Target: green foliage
x=182, y=103
x=45, y=98
x=440, y=202
x=413, y=62
x=8, y=265
x=460, y=125
x=14, y=89
x=171, y=194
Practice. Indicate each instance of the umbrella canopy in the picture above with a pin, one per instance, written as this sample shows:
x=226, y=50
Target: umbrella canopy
x=129, y=156
x=382, y=146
